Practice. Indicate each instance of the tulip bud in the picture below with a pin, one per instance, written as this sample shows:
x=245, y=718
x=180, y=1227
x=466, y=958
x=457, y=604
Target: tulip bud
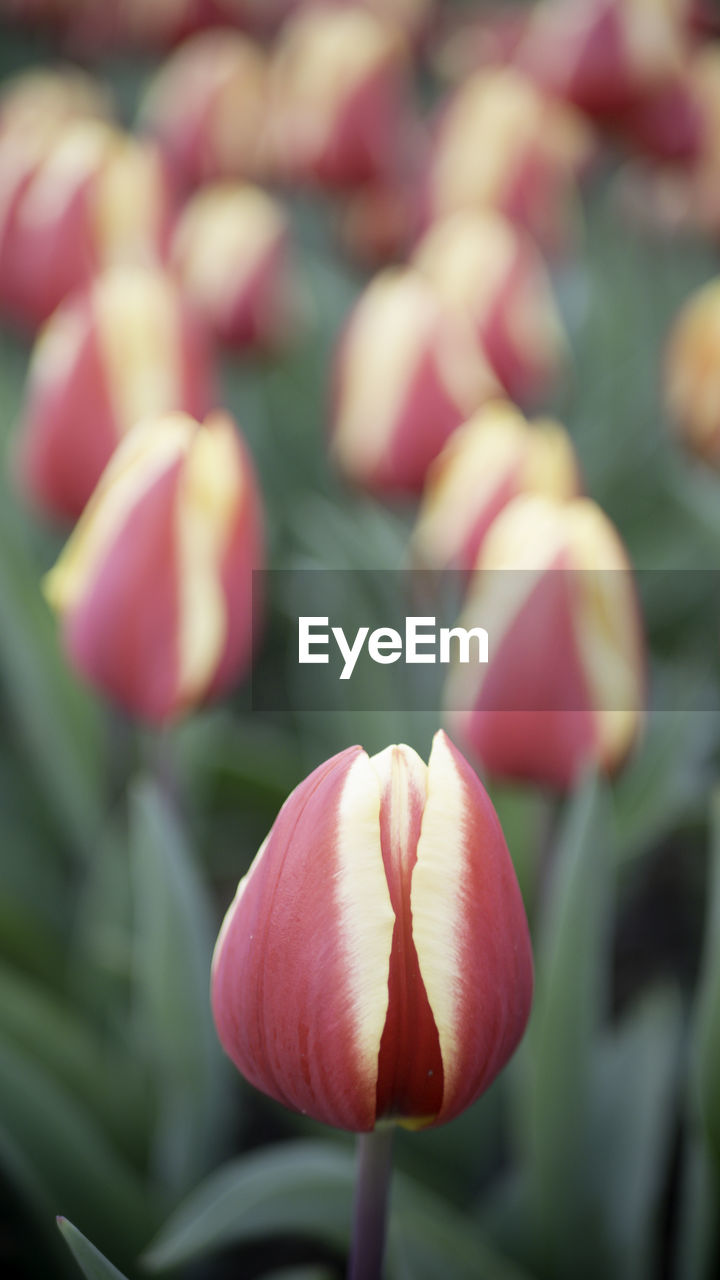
x=692, y=376
x=207, y=106
x=485, y=464
x=379, y=221
x=96, y=197
x=232, y=252
x=603, y=55
x=340, y=110
x=409, y=372
x=533, y=149
x=126, y=349
x=478, y=261
x=154, y=588
x=564, y=687
x=43, y=101
x=375, y=964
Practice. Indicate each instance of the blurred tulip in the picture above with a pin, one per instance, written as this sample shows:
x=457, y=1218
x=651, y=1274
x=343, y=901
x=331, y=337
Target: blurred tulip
x=380, y=220
x=692, y=372
x=603, y=55
x=208, y=105
x=44, y=100
x=375, y=964
x=668, y=124
x=484, y=465
x=341, y=112
x=409, y=372
x=533, y=150
x=565, y=686
x=479, y=261
x=126, y=349
x=266, y=15
x=94, y=198
x=154, y=588
x=260, y=16
x=232, y=252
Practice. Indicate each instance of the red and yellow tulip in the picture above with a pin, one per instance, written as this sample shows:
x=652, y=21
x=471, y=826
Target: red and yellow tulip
x=154, y=587
x=340, y=97
x=207, y=106
x=231, y=249
x=409, y=372
x=533, y=149
x=91, y=197
x=692, y=373
x=375, y=964
x=128, y=348
x=490, y=460
x=564, y=688
x=478, y=261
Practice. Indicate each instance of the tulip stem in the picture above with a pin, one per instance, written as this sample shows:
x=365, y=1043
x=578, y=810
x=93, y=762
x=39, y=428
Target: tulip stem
x=370, y=1210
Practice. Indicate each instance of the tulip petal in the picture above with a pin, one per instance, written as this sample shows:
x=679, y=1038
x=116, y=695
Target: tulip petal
x=469, y=929
x=300, y=974
x=410, y=1085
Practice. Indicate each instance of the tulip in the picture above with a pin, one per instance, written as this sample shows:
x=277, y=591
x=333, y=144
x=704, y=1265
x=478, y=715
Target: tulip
x=379, y=221
x=603, y=55
x=94, y=198
x=207, y=107
x=563, y=690
x=154, y=586
x=266, y=16
x=409, y=372
x=126, y=349
x=340, y=102
x=479, y=261
x=231, y=249
x=43, y=101
x=490, y=460
x=533, y=150
x=375, y=964
x=692, y=376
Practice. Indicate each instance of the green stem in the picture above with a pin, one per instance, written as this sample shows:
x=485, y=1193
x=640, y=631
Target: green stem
x=374, y=1170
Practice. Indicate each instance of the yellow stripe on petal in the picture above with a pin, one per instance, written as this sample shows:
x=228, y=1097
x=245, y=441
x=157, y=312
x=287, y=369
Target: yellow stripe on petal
x=367, y=917
x=128, y=204
x=478, y=459
x=138, y=315
x=607, y=626
x=467, y=257
x=223, y=235
x=437, y=903
x=393, y=323
x=78, y=154
x=137, y=463
x=211, y=493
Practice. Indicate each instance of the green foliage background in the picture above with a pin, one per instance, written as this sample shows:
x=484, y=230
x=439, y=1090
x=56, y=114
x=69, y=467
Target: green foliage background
x=598, y=1151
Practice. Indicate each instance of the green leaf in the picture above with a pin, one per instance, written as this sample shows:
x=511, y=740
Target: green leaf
x=74, y=1167
x=707, y=1024
x=93, y=1264
x=668, y=777
x=59, y=724
x=698, y=1251
x=306, y=1188
x=572, y=968
x=298, y=1188
x=174, y=936
x=301, y=1273
x=98, y=1074
x=634, y=1121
